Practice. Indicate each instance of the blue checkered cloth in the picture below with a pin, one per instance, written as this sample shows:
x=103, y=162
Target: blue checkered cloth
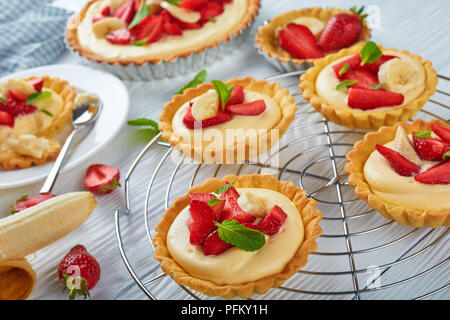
x=31, y=34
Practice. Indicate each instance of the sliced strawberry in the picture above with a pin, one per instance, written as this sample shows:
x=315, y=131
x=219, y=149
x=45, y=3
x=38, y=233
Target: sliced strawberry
x=366, y=99
x=27, y=202
x=102, y=179
x=193, y=5
x=232, y=210
x=400, y=164
x=205, y=197
x=353, y=62
x=299, y=41
x=341, y=30
x=189, y=26
x=430, y=149
x=441, y=132
x=251, y=226
x=439, y=174
x=6, y=119
x=250, y=108
x=37, y=83
x=365, y=78
x=172, y=29
x=237, y=95
x=137, y=5
x=16, y=108
x=126, y=12
x=18, y=96
x=106, y=11
x=121, y=36
x=374, y=67
x=272, y=221
x=211, y=10
x=221, y=117
x=203, y=221
x=157, y=30
x=214, y=245
x=143, y=28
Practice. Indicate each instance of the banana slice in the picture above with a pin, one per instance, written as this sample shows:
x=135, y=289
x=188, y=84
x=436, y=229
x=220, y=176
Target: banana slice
x=32, y=229
x=403, y=146
x=181, y=13
x=18, y=85
x=105, y=26
x=403, y=76
x=205, y=106
x=254, y=204
x=315, y=25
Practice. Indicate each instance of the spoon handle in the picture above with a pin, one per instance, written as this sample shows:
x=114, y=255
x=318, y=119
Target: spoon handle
x=51, y=178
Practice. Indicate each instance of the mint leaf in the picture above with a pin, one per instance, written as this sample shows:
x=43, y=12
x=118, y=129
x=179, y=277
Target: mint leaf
x=423, y=134
x=212, y=20
x=174, y=2
x=344, y=69
x=211, y=202
x=3, y=100
x=198, y=79
x=35, y=96
x=377, y=86
x=240, y=236
x=224, y=188
x=143, y=122
x=223, y=91
x=370, y=53
x=46, y=112
x=446, y=155
x=140, y=43
x=141, y=14
x=345, y=83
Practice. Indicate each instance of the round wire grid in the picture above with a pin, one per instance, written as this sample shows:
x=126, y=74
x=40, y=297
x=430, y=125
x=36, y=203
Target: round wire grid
x=360, y=254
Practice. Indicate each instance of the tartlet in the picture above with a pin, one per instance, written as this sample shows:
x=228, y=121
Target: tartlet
x=38, y=127
x=372, y=118
x=305, y=206
x=402, y=211
x=170, y=62
x=227, y=152
x=267, y=44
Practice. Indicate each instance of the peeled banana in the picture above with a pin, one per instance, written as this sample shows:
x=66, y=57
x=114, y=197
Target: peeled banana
x=403, y=146
x=32, y=229
x=105, y=26
x=205, y=106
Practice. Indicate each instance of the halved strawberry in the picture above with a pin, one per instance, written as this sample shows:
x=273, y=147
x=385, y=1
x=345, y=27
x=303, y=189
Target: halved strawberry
x=202, y=221
x=205, y=197
x=37, y=83
x=186, y=25
x=126, y=12
x=16, y=108
x=430, y=149
x=232, y=210
x=299, y=41
x=211, y=10
x=441, y=132
x=365, y=78
x=366, y=99
x=250, y=108
x=341, y=30
x=106, y=11
x=237, y=95
x=439, y=174
x=6, y=119
x=353, y=62
x=400, y=164
x=121, y=36
x=214, y=245
x=374, y=67
x=27, y=202
x=193, y=5
x=190, y=122
x=101, y=178
x=272, y=221
x=18, y=96
x=172, y=29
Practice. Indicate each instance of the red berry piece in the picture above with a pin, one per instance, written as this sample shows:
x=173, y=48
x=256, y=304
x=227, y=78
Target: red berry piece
x=214, y=245
x=102, y=179
x=400, y=164
x=299, y=41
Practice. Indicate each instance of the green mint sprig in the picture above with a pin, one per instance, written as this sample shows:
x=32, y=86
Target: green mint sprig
x=234, y=233
x=45, y=111
x=150, y=127
x=213, y=201
x=140, y=15
x=370, y=53
x=446, y=155
x=36, y=96
x=345, y=84
x=377, y=86
x=224, y=188
x=223, y=91
x=344, y=69
x=174, y=2
x=425, y=134
x=198, y=79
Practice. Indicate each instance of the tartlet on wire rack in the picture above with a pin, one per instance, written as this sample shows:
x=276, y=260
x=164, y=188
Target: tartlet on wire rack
x=407, y=188
x=228, y=136
x=136, y=40
x=391, y=89
x=282, y=257
x=315, y=19
x=33, y=111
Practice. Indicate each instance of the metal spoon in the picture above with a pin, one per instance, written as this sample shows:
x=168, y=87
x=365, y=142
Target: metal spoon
x=86, y=112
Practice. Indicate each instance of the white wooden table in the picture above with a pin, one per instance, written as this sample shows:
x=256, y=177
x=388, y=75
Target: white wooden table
x=417, y=26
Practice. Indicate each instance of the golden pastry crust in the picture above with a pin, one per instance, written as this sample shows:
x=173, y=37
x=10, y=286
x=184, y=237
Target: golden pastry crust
x=355, y=169
x=73, y=42
x=306, y=207
x=369, y=119
x=266, y=41
x=17, y=279
x=11, y=160
x=273, y=89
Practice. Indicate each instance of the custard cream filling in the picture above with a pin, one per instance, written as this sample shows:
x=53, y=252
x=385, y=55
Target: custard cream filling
x=236, y=265
x=404, y=191
x=190, y=40
x=327, y=81
x=237, y=128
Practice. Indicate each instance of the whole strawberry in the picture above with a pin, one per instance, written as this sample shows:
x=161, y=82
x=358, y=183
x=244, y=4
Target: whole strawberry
x=101, y=178
x=79, y=271
x=341, y=30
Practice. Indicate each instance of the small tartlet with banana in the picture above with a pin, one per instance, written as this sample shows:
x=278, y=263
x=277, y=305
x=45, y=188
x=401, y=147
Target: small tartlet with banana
x=368, y=86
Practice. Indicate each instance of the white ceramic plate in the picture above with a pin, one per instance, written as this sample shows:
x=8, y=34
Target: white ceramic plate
x=115, y=98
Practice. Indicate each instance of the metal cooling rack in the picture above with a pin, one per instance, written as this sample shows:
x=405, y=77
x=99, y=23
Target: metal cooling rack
x=360, y=254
